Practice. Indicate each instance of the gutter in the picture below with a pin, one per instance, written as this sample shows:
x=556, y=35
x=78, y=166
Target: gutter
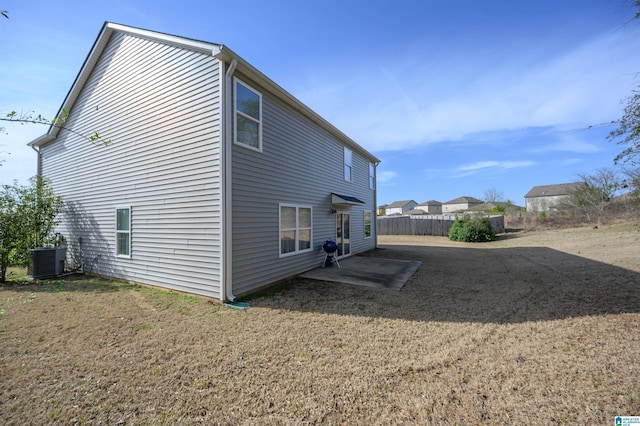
x=35, y=145
x=226, y=149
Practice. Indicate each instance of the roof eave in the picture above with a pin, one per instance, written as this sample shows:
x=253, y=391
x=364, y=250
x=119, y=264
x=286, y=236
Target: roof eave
x=216, y=50
x=227, y=55
x=41, y=140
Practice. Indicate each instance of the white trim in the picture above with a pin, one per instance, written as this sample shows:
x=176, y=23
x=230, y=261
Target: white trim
x=201, y=46
x=341, y=241
x=296, y=229
x=364, y=224
x=372, y=176
x=226, y=145
x=237, y=81
x=117, y=231
x=347, y=164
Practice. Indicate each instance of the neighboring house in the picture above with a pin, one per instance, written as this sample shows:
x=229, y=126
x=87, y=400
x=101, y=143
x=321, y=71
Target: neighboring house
x=507, y=206
x=400, y=207
x=430, y=207
x=548, y=197
x=218, y=181
x=460, y=204
x=382, y=209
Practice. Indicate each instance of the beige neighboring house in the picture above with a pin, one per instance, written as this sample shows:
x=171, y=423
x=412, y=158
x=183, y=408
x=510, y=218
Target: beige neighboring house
x=400, y=207
x=428, y=207
x=382, y=209
x=548, y=197
x=460, y=204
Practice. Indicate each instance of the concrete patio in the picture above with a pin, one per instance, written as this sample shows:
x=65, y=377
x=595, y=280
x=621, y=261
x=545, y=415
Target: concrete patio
x=367, y=271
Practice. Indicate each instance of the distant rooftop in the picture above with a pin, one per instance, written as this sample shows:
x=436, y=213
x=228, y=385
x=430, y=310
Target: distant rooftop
x=553, y=190
x=430, y=203
x=397, y=204
x=460, y=200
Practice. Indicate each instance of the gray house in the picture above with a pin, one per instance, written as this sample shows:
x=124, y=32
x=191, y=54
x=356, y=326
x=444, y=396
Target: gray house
x=400, y=207
x=460, y=204
x=549, y=197
x=218, y=181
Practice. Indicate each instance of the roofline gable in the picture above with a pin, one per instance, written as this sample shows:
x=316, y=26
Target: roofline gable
x=95, y=53
x=218, y=51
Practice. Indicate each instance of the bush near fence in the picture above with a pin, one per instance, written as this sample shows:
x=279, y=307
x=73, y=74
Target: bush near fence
x=437, y=225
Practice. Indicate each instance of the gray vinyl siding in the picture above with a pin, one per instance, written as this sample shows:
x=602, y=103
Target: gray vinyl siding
x=160, y=105
x=300, y=164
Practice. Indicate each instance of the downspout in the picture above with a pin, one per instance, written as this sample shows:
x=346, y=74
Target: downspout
x=375, y=199
x=39, y=166
x=227, y=210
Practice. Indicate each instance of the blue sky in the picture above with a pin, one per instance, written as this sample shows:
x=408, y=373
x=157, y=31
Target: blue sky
x=455, y=97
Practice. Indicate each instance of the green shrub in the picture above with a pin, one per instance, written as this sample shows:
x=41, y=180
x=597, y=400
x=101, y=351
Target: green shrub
x=472, y=230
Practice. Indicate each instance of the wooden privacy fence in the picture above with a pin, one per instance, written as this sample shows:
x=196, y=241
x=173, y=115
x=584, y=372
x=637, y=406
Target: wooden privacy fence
x=437, y=225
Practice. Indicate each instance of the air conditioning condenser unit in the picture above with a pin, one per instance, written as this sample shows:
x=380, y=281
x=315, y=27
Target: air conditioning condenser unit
x=46, y=262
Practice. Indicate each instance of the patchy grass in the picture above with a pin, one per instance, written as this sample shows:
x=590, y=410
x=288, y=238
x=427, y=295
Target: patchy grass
x=540, y=327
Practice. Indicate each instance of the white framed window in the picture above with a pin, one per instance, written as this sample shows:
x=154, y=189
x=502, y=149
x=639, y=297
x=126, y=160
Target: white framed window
x=295, y=229
x=367, y=224
x=348, y=165
x=247, y=117
x=372, y=176
x=123, y=231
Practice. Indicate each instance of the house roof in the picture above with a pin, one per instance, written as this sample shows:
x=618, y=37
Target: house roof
x=219, y=51
x=553, y=190
x=402, y=203
x=430, y=203
x=464, y=199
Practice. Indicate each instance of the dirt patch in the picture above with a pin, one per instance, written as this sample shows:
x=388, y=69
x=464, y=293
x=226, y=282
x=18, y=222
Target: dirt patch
x=539, y=327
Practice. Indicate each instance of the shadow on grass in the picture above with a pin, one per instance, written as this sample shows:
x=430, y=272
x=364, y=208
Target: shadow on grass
x=68, y=283
x=509, y=285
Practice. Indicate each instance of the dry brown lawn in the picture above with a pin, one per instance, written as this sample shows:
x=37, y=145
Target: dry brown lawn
x=534, y=328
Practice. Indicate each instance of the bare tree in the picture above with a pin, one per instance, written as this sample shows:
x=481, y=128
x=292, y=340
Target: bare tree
x=492, y=195
x=591, y=199
x=628, y=131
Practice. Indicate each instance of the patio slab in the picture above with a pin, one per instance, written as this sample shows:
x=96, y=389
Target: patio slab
x=367, y=271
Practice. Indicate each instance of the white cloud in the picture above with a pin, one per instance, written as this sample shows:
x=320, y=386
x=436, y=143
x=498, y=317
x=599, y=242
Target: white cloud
x=385, y=176
x=495, y=164
x=411, y=105
x=491, y=166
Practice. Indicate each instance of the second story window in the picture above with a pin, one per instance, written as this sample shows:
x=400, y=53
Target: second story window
x=247, y=116
x=372, y=176
x=348, y=165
